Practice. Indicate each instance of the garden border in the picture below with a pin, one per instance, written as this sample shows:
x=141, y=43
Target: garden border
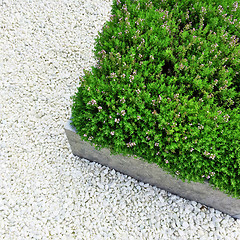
x=152, y=174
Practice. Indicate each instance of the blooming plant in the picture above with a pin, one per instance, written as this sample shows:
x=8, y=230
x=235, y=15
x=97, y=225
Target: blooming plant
x=166, y=88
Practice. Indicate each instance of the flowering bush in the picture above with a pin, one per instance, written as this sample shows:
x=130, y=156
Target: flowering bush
x=166, y=88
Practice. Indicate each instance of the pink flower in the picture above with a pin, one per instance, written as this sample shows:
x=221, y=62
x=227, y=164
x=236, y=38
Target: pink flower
x=122, y=100
x=154, y=112
x=138, y=91
x=93, y=102
x=112, y=133
x=131, y=144
x=117, y=120
x=131, y=78
x=212, y=156
x=123, y=112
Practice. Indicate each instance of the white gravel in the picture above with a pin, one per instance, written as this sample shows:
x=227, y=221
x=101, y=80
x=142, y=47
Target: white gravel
x=45, y=191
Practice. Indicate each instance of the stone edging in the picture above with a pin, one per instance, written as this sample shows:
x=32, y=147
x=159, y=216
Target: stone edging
x=152, y=174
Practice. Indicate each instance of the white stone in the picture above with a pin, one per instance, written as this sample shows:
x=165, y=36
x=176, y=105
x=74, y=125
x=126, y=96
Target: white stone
x=185, y=225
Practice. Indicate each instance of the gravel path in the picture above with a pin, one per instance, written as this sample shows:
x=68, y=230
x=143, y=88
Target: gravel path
x=45, y=191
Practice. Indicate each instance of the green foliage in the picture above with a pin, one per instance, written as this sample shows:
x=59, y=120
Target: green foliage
x=166, y=88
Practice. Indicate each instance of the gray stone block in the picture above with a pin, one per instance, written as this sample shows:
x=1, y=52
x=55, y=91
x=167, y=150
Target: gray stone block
x=151, y=173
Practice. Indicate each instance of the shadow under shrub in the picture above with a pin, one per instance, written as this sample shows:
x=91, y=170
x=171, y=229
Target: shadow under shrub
x=166, y=88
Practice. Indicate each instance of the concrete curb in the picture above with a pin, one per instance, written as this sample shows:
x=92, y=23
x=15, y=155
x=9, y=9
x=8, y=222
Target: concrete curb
x=154, y=175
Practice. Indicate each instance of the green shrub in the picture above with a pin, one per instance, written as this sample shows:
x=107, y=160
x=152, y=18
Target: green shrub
x=166, y=88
